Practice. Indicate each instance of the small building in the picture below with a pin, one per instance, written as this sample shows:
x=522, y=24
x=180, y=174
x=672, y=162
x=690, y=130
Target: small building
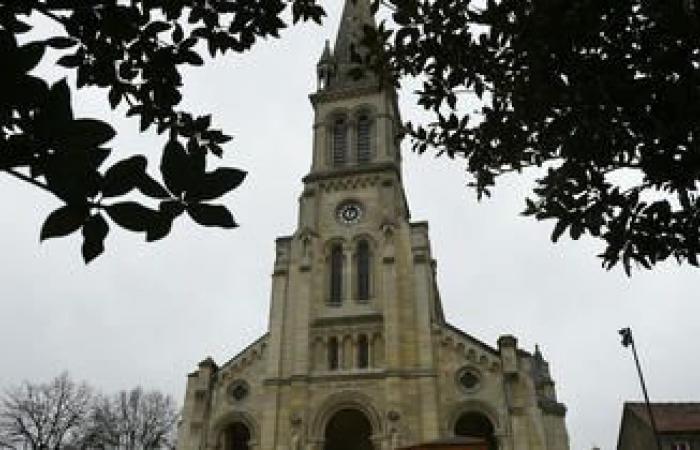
x=678, y=425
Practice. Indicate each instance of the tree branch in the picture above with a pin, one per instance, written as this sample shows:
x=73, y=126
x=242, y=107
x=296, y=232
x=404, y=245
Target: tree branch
x=40, y=185
x=27, y=179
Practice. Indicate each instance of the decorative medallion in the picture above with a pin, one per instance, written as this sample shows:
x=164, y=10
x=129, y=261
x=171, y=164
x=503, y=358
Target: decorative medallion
x=468, y=379
x=349, y=213
x=238, y=390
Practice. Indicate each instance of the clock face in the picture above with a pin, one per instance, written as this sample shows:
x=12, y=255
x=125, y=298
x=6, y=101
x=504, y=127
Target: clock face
x=349, y=213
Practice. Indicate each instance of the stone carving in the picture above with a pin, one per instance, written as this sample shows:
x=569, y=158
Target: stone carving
x=296, y=422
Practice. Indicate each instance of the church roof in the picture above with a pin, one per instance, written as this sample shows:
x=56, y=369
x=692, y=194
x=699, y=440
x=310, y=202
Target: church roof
x=670, y=417
x=242, y=352
x=471, y=338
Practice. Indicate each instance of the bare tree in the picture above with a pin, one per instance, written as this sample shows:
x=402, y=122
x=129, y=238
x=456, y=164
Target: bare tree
x=134, y=420
x=47, y=416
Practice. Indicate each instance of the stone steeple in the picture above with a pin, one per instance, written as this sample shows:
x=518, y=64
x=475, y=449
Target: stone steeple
x=356, y=15
x=334, y=67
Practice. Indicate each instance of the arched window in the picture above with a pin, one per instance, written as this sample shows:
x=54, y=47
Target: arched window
x=336, y=281
x=340, y=139
x=363, y=270
x=362, y=352
x=333, y=353
x=364, y=130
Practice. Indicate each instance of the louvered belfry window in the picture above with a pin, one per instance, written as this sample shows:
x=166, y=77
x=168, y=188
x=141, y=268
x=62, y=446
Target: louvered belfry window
x=340, y=132
x=336, y=296
x=364, y=129
x=363, y=270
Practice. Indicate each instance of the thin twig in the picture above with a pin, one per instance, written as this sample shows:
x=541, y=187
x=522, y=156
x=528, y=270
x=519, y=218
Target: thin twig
x=30, y=180
x=40, y=185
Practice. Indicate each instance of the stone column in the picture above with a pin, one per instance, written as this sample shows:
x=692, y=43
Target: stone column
x=422, y=273
x=302, y=295
x=347, y=274
x=392, y=340
x=276, y=353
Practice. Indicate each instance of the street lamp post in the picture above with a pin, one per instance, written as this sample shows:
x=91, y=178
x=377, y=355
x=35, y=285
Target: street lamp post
x=628, y=341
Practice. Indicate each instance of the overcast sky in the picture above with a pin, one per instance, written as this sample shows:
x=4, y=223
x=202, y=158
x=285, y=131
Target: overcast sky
x=147, y=313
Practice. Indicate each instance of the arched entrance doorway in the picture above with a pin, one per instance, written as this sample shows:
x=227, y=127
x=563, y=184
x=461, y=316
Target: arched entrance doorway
x=236, y=437
x=474, y=424
x=348, y=429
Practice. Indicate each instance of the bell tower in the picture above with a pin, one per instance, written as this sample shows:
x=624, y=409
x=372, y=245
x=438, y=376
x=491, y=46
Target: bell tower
x=352, y=212
x=357, y=121
x=354, y=290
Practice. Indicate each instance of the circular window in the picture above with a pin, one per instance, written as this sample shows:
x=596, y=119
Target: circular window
x=349, y=213
x=469, y=379
x=238, y=390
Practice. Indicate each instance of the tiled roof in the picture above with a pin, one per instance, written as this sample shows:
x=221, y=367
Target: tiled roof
x=670, y=417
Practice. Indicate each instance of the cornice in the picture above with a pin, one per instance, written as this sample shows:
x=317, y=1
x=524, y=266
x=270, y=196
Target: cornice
x=352, y=375
x=343, y=93
x=552, y=407
x=347, y=320
x=352, y=171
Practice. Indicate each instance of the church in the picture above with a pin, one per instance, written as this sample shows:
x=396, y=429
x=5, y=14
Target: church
x=358, y=354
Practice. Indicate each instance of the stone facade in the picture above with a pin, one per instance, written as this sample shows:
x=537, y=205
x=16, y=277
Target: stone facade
x=358, y=353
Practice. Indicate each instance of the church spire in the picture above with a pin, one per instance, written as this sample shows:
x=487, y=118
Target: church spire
x=334, y=69
x=356, y=15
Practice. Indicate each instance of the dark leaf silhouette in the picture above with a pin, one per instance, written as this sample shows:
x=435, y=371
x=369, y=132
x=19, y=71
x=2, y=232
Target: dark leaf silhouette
x=134, y=52
x=132, y=216
x=124, y=176
x=151, y=188
x=94, y=233
x=69, y=61
x=211, y=215
x=605, y=95
x=29, y=56
x=215, y=184
x=59, y=42
x=63, y=221
x=160, y=228
x=559, y=230
x=175, y=167
x=86, y=133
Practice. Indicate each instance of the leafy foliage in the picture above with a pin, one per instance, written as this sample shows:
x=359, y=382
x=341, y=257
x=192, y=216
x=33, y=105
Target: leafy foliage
x=605, y=95
x=135, y=52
